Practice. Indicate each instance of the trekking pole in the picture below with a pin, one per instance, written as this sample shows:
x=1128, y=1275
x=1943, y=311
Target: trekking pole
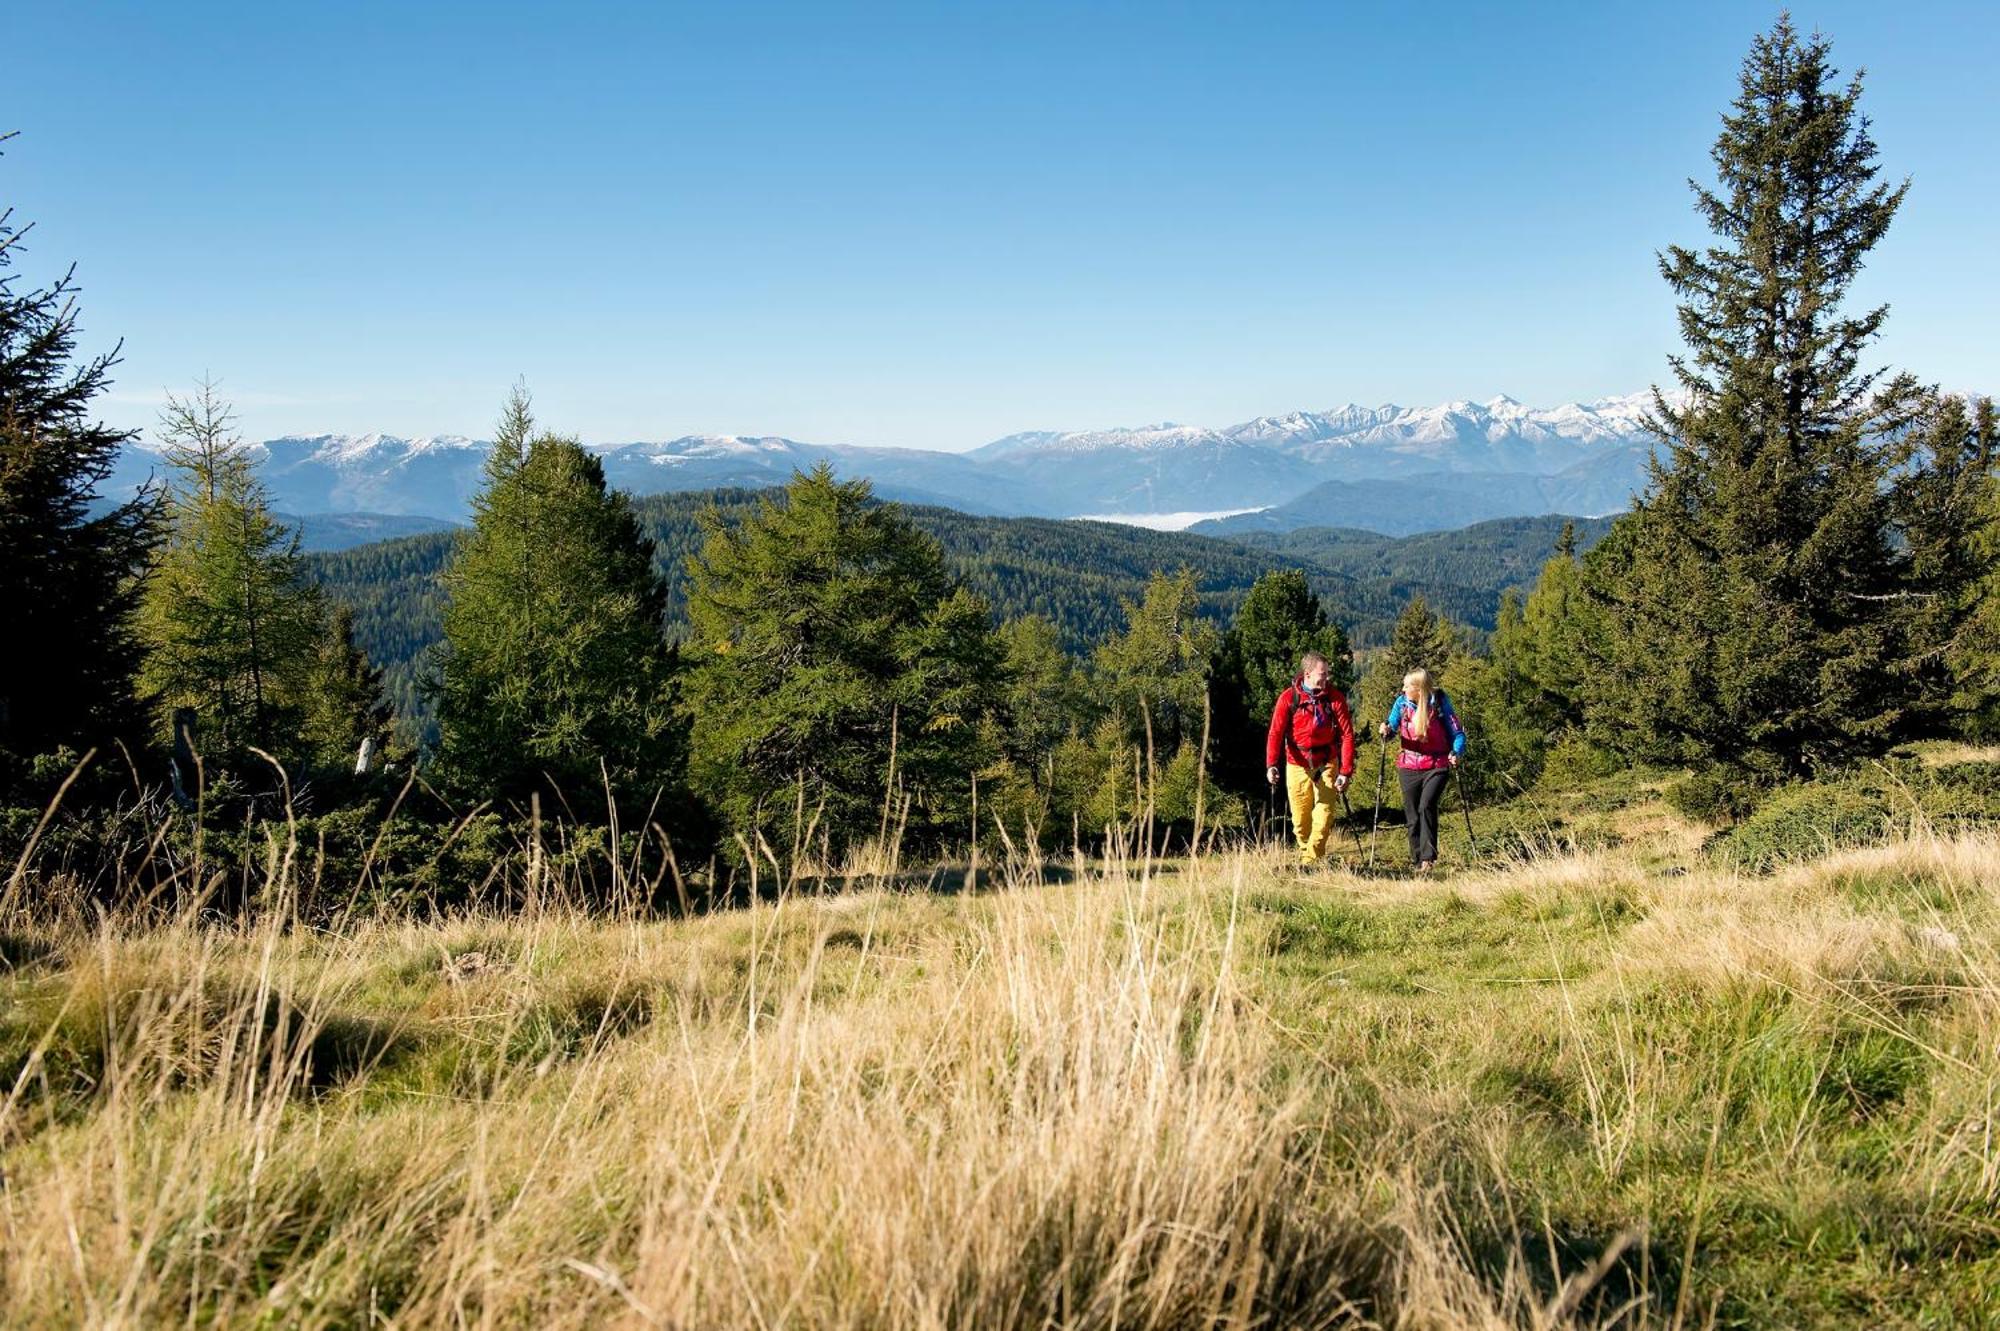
x=1347, y=816
x=1465, y=803
x=1381, y=769
x=1291, y=834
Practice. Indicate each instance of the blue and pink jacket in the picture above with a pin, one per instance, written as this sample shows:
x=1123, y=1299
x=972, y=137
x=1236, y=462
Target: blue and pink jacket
x=1445, y=742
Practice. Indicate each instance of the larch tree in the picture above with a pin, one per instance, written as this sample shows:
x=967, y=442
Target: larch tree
x=231, y=622
x=555, y=676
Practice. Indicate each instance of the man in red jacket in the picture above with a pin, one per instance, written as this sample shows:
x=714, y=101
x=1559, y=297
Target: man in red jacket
x=1310, y=719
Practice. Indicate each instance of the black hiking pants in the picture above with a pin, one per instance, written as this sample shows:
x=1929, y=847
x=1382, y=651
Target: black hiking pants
x=1422, y=793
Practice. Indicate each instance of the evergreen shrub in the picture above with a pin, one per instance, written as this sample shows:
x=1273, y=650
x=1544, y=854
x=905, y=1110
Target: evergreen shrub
x=1717, y=796
x=1573, y=760
x=1806, y=820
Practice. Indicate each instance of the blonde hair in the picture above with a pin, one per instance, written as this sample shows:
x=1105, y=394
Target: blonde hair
x=1422, y=679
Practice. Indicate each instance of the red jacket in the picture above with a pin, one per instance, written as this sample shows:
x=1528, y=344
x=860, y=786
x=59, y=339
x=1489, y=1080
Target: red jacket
x=1315, y=722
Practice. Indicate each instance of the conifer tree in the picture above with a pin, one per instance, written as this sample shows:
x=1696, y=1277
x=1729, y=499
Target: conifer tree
x=1543, y=645
x=1279, y=621
x=1527, y=691
x=1947, y=511
x=1420, y=639
x=1515, y=723
x=838, y=671
x=555, y=672
x=1046, y=695
x=344, y=702
x=231, y=623
x=1047, y=712
x=1155, y=673
x=1154, y=681
x=1744, y=598
x=69, y=571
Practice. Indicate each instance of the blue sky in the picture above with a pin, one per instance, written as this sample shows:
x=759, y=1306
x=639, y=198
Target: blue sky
x=930, y=225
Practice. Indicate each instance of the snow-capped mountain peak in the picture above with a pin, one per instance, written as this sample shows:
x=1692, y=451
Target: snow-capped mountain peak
x=1164, y=467
x=357, y=447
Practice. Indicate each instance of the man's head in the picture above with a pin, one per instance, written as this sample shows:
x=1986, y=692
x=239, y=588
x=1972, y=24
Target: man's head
x=1314, y=671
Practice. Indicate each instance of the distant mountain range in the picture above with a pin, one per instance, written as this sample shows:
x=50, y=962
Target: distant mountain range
x=1389, y=469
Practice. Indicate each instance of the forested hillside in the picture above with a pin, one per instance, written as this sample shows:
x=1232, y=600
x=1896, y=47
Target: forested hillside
x=1076, y=573
x=1463, y=572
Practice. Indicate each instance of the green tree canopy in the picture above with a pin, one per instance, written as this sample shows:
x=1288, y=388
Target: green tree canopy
x=69, y=569
x=1946, y=506
x=838, y=672
x=1744, y=602
x=1154, y=675
x=1279, y=621
x=1421, y=639
x=344, y=702
x=555, y=673
x=232, y=625
x=1542, y=646
x=1048, y=698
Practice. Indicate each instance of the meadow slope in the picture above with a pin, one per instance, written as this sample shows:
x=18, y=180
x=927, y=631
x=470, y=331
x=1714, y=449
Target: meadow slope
x=1616, y=1086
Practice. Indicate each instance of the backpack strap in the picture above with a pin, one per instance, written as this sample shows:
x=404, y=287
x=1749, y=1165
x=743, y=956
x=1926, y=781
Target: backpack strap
x=1292, y=749
x=1292, y=710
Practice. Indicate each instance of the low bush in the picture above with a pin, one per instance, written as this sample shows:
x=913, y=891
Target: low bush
x=1716, y=796
x=1807, y=820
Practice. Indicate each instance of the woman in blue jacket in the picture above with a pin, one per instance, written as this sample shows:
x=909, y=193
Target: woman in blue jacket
x=1431, y=741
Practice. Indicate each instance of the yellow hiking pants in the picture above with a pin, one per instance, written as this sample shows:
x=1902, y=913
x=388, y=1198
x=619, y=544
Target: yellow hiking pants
x=1314, y=806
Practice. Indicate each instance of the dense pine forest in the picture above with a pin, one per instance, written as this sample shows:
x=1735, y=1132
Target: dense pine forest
x=1077, y=575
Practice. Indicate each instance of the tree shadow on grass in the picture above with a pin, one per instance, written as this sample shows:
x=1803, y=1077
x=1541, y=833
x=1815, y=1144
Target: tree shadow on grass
x=1625, y=1278
x=344, y=1047
x=21, y=951
x=947, y=880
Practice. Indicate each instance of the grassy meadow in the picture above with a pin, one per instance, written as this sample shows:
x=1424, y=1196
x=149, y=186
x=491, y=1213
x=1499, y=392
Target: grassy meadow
x=1612, y=1082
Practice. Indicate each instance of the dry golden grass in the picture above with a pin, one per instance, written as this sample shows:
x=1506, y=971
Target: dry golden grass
x=1218, y=1096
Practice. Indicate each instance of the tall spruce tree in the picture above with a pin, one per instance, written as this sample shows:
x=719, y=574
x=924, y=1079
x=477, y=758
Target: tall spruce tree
x=231, y=623
x=69, y=568
x=555, y=672
x=840, y=679
x=1744, y=596
x=1946, y=504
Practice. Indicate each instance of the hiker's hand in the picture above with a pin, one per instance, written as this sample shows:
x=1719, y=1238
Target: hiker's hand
x=1271, y=775
x=1385, y=730
x=1340, y=782
x=1453, y=760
